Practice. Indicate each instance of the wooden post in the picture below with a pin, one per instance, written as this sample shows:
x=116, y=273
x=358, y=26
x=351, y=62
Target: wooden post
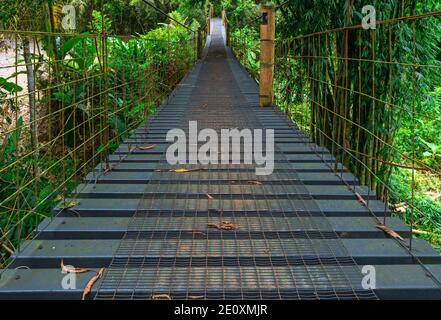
x=267, y=36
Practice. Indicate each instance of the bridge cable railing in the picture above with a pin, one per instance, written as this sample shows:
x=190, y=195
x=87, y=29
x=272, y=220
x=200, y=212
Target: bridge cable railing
x=350, y=97
x=372, y=98
x=67, y=100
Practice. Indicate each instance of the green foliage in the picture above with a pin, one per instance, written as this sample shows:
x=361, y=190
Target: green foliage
x=241, y=13
x=27, y=202
x=245, y=44
x=427, y=131
x=426, y=215
x=194, y=10
x=7, y=87
x=22, y=14
x=101, y=87
x=100, y=22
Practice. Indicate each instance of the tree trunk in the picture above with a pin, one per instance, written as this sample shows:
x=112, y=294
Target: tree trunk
x=31, y=92
x=32, y=105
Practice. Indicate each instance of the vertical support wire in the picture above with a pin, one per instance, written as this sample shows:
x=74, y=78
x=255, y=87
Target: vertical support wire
x=16, y=205
x=412, y=209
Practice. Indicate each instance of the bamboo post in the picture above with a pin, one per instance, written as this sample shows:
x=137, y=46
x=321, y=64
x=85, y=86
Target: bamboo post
x=225, y=24
x=199, y=44
x=210, y=15
x=267, y=36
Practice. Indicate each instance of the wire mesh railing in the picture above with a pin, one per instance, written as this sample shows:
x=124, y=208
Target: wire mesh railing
x=67, y=100
x=363, y=93
x=372, y=97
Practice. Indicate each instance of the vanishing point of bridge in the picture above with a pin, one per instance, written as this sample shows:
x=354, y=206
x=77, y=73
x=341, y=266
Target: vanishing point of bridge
x=164, y=231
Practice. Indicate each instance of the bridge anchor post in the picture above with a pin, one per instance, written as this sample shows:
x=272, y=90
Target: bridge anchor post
x=267, y=36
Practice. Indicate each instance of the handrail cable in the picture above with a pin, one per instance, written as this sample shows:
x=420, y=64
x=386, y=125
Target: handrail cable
x=164, y=13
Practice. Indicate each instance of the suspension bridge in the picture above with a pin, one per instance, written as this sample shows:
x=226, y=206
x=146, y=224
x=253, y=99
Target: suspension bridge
x=309, y=230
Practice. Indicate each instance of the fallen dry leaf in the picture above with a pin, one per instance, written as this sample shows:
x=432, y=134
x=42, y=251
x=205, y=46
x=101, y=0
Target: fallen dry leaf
x=389, y=231
x=146, y=147
x=180, y=170
x=91, y=282
x=69, y=204
x=108, y=169
x=400, y=207
x=360, y=199
x=209, y=196
x=7, y=248
x=72, y=270
x=161, y=297
x=257, y=183
x=183, y=170
x=224, y=225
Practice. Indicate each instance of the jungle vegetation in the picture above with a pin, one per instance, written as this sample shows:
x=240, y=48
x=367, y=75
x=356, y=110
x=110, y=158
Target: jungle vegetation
x=77, y=88
x=357, y=90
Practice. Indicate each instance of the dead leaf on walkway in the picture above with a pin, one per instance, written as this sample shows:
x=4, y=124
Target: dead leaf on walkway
x=224, y=225
x=72, y=270
x=146, y=147
x=360, y=199
x=161, y=297
x=257, y=183
x=91, y=282
x=389, y=231
x=209, y=196
x=69, y=204
x=183, y=170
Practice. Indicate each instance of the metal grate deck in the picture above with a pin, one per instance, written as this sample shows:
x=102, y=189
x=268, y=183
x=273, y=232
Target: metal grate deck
x=250, y=261
x=220, y=231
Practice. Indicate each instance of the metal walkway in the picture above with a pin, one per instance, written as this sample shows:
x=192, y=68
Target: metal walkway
x=220, y=231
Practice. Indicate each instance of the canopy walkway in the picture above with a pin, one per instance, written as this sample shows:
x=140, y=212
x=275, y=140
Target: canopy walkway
x=218, y=231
